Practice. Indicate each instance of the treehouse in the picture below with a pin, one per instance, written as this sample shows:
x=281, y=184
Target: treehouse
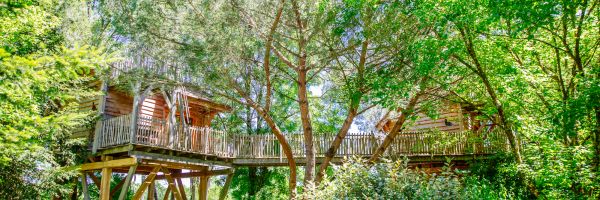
x=451, y=118
x=159, y=127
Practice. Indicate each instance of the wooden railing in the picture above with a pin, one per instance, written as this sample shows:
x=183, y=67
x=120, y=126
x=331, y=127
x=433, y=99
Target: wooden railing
x=112, y=132
x=153, y=132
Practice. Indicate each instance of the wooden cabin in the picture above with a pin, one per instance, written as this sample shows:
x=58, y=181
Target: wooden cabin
x=156, y=133
x=452, y=118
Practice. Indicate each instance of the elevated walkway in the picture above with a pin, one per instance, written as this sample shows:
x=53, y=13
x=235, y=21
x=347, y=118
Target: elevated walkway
x=152, y=139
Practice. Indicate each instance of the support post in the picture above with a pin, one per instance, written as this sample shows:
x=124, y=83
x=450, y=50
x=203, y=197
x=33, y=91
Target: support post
x=192, y=188
x=134, y=112
x=84, y=187
x=127, y=183
x=151, y=190
x=203, y=187
x=225, y=188
x=101, y=109
x=105, y=181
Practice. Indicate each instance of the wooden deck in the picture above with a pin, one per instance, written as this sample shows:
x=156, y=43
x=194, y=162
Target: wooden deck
x=152, y=137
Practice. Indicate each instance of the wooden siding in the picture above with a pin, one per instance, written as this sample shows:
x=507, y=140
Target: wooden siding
x=117, y=103
x=450, y=119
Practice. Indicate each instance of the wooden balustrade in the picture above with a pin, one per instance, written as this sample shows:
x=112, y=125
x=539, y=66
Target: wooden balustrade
x=114, y=131
x=154, y=132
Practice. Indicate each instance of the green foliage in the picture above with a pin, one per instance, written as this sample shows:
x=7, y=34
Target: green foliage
x=394, y=180
x=41, y=82
x=267, y=183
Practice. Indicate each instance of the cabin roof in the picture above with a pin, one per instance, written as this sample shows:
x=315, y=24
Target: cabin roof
x=197, y=98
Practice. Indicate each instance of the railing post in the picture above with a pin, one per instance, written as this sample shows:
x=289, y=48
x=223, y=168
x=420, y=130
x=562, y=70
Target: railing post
x=102, y=106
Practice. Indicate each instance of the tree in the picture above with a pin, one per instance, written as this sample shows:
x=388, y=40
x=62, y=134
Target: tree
x=41, y=81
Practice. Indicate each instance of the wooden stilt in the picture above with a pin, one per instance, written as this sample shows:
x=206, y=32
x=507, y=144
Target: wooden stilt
x=84, y=186
x=203, y=187
x=127, y=183
x=225, y=188
x=105, y=181
x=151, y=190
x=192, y=188
x=149, y=179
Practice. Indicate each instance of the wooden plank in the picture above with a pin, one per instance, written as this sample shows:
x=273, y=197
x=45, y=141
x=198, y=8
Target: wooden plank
x=127, y=183
x=149, y=179
x=125, y=162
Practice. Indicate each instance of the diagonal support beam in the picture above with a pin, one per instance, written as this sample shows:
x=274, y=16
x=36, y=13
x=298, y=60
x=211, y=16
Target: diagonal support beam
x=171, y=182
x=149, y=179
x=127, y=183
x=181, y=188
x=225, y=188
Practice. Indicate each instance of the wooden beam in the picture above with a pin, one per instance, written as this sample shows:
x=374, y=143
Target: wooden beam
x=149, y=179
x=114, y=150
x=84, y=186
x=188, y=162
x=171, y=182
x=125, y=188
x=125, y=162
x=105, y=180
x=225, y=188
x=196, y=174
x=203, y=187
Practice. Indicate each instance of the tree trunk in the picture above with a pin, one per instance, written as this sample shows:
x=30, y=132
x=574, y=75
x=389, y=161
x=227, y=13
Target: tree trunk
x=254, y=182
x=397, y=128
x=287, y=150
x=478, y=69
x=335, y=145
x=306, y=127
x=597, y=140
x=512, y=138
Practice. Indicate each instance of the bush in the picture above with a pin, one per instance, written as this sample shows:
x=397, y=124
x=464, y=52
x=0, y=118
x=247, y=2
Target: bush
x=394, y=180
